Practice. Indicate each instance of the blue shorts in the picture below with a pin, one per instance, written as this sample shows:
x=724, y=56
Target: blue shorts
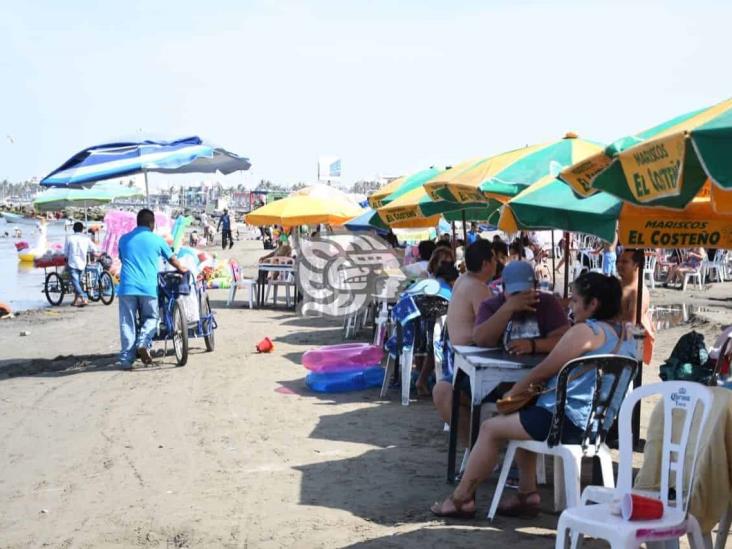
x=537, y=422
x=608, y=263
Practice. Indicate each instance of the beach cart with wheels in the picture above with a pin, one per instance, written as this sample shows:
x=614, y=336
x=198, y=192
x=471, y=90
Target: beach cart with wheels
x=95, y=280
x=185, y=313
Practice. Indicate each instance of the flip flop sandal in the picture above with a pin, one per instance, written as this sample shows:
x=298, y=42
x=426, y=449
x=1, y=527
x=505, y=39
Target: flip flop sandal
x=520, y=508
x=458, y=513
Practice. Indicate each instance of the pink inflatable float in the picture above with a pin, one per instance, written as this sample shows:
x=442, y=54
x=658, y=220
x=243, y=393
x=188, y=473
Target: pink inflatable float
x=339, y=358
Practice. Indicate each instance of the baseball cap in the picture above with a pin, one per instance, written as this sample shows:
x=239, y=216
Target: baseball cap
x=518, y=276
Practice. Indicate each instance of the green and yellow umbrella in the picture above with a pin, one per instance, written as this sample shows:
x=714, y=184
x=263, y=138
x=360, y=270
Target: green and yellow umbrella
x=417, y=204
x=668, y=165
x=505, y=175
x=376, y=199
x=401, y=186
x=551, y=204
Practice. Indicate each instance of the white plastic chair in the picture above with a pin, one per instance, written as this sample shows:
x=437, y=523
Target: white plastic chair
x=599, y=520
x=285, y=277
x=614, y=375
x=238, y=282
x=718, y=266
x=649, y=270
x=695, y=275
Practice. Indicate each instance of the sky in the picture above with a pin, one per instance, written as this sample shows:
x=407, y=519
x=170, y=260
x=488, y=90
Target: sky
x=391, y=87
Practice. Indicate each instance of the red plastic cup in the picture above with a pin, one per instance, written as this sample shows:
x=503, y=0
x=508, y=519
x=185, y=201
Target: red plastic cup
x=265, y=346
x=635, y=507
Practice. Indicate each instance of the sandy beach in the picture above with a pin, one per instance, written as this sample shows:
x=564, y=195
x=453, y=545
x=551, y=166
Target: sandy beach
x=231, y=450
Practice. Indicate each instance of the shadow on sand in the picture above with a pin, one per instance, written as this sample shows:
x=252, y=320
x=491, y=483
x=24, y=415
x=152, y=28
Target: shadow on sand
x=396, y=481
x=65, y=365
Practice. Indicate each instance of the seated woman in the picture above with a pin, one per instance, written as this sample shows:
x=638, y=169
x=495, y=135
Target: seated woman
x=596, y=304
x=691, y=263
x=440, y=255
x=441, y=267
x=283, y=250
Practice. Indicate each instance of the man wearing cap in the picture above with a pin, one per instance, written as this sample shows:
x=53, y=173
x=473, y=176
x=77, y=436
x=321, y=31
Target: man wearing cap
x=522, y=320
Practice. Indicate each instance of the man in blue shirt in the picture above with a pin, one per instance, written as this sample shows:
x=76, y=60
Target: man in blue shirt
x=473, y=233
x=140, y=252
x=225, y=223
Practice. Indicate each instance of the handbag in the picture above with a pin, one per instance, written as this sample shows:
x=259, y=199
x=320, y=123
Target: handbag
x=516, y=402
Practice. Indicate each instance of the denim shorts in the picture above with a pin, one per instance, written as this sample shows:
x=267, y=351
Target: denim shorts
x=537, y=422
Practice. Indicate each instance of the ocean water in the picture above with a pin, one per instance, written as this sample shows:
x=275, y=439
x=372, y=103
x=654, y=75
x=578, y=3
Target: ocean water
x=21, y=285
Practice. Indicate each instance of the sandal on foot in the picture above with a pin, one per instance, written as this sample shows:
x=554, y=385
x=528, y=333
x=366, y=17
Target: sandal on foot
x=458, y=512
x=520, y=507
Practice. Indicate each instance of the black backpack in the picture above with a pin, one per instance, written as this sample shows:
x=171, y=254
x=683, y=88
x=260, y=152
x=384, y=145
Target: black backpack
x=689, y=361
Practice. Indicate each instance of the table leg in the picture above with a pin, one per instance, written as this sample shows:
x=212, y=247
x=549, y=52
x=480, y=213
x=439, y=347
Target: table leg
x=474, y=428
x=454, y=423
x=559, y=497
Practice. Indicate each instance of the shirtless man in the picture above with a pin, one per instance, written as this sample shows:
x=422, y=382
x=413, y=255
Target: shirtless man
x=469, y=292
x=628, y=267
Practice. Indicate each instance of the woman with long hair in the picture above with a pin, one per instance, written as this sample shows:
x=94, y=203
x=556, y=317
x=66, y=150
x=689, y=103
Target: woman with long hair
x=596, y=305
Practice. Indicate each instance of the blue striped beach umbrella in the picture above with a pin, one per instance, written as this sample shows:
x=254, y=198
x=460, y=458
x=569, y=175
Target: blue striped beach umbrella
x=187, y=155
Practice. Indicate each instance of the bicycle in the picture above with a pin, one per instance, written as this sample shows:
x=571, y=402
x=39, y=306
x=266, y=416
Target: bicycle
x=173, y=325
x=95, y=281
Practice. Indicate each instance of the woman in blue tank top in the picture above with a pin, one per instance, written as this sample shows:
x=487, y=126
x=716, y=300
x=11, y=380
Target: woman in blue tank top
x=596, y=306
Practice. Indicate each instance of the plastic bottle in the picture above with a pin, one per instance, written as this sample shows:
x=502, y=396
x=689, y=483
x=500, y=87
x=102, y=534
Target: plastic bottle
x=507, y=334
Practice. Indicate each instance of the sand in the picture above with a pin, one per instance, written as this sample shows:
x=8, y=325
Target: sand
x=231, y=450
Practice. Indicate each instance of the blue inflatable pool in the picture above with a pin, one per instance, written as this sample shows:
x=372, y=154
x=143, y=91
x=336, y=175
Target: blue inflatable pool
x=341, y=382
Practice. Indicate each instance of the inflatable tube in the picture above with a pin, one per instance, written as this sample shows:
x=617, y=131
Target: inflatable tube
x=5, y=309
x=27, y=257
x=179, y=228
x=340, y=382
x=341, y=367
x=185, y=250
x=352, y=354
x=22, y=245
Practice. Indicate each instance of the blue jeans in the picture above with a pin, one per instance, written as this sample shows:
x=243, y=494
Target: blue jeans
x=136, y=311
x=75, y=276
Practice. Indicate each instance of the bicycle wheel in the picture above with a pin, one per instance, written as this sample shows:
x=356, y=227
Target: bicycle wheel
x=54, y=288
x=106, y=288
x=207, y=324
x=91, y=280
x=180, y=335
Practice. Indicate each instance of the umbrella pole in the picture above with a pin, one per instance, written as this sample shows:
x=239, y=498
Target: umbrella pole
x=147, y=189
x=465, y=228
x=554, y=265
x=454, y=242
x=566, y=265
